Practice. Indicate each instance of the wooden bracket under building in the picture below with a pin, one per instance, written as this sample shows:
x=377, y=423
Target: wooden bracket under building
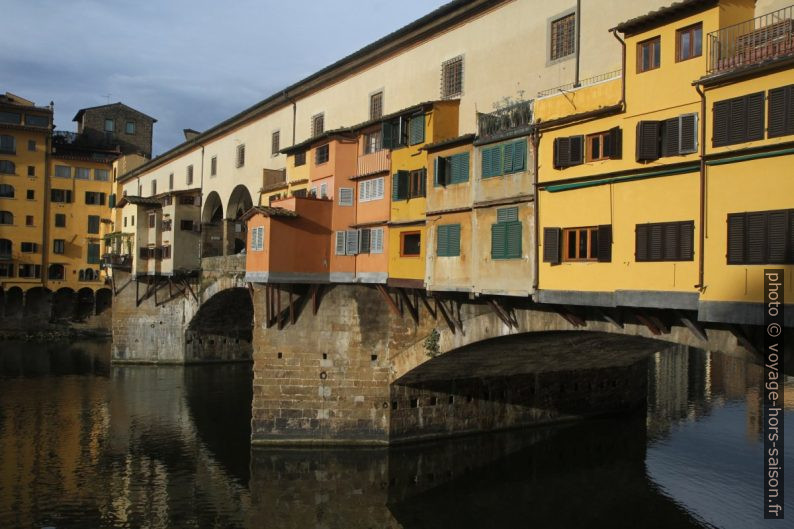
x=654, y=323
x=384, y=292
x=693, y=325
x=570, y=316
x=502, y=313
x=743, y=338
x=413, y=309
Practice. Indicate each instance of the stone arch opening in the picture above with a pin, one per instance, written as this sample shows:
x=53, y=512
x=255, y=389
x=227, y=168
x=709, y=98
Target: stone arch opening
x=38, y=303
x=222, y=329
x=56, y=272
x=239, y=202
x=64, y=304
x=212, y=226
x=85, y=304
x=104, y=300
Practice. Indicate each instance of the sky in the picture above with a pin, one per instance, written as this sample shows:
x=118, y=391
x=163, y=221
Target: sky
x=187, y=63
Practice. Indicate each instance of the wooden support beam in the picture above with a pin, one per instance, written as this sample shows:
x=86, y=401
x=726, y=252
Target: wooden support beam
x=500, y=312
x=570, y=316
x=426, y=303
x=187, y=284
x=743, y=339
x=279, y=319
x=693, y=325
x=292, y=313
x=611, y=316
x=441, y=309
x=137, y=300
x=648, y=322
x=316, y=293
x=412, y=309
x=389, y=301
x=250, y=290
x=268, y=307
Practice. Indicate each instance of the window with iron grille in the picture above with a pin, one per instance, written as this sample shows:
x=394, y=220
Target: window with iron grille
x=189, y=175
x=171, y=181
x=318, y=124
x=154, y=187
x=214, y=166
x=275, y=143
x=665, y=241
x=321, y=154
x=300, y=159
x=241, y=155
x=452, y=77
x=761, y=237
x=376, y=105
x=563, y=37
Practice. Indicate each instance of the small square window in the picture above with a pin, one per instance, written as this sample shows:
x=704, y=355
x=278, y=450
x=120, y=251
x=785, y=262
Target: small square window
x=28, y=220
x=318, y=124
x=31, y=194
x=376, y=105
x=60, y=220
x=649, y=54
x=689, y=42
x=31, y=145
x=580, y=244
x=321, y=154
x=241, y=155
x=31, y=170
x=109, y=125
x=452, y=77
x=129, y=127
x=58, y=246
x=411, y=244
x=300, y=159
x=275, y=143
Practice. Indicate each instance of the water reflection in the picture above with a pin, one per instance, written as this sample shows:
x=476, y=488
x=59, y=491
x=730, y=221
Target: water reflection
x=88, y=445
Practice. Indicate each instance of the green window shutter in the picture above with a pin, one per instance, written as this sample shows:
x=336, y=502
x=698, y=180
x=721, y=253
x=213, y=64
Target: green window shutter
x=453, y=245
x=388, y=134
x=487, y=154
x=442, y=241
x=441, y=171
x=459, y=168
x=499, y=241
x=492, y=161
x=507, y=214
x=395, y=186
x=93, y=253
x=513, y=238
x=416, y=130
x=112, y=200
x=507, y=158
x=519, y=156
x=399, y=185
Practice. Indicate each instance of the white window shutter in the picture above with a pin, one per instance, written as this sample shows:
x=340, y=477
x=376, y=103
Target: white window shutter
x=376, y=241
x=323, y=190
x=362, y=186
x=379, y=185
x=351, y=240
x=345, y=196
x=340, y=243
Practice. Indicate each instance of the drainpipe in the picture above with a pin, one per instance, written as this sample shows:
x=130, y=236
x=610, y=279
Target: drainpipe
x=201, y=210
x=45, y=232
x=622, y=69
x=701, y=258
x=578, y=40
x=294, y=113
x=536, y=213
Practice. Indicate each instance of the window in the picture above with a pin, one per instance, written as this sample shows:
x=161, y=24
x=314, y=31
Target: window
x=56, y=271
x=665, y=241
x=671, y=137
x=93, y=224
x=7, y=167
x=101, y=175
x=171, y=181
x=82, y=173
x=563, y=37
x=28, y=220
x=6, y=270
x=371, y=189
x=258, y=239
x=506, y=234
x=689, y=42
x=410, y=244
x=154, y=187
x=187, y=200
x=29, y=271
x=94, y=198
x=6, y=191
x=448, y=240
x=132, y=220
x=580, y=244
x=451, y=169
x=14, y=118
x=146, y=253
x=166, y=252
x=36, y=121
x=375, y=240
x=109, y=125
x=604, y=145
x=376, y=105
x=300, y=158
x=372, y=142
x=416, y=130
x=125, y=222
x=189, y=175
x=92, y=253
x=30, y=194
x=31, y=170
x=240, y=155
x=58, y=246
x=781, y=111
x=504, y=158
x=318, y=124
x=649, y=54
x=152, y=220
x=6, y=247
x=61, y=195
x=761, y=237
x=129, y=127
x=345, y=196
x=32, y=145
x=6, y=217
x=8, y=144
x=275, y=143
x=166, y=225
x=60, y=220
x=738, y=120
x=323, y=190
x=29, y=247
x=63, y=171
x=112, y=200
x=452, y=77
x=321, y=154
x=186, y=225
x=406, y=185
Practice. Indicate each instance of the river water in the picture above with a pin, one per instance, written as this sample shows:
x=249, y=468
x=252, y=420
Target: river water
x=86, y=444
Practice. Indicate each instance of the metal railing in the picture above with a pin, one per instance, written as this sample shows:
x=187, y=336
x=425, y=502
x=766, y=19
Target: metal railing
x=754, y=41
x=505, y=120
x=584, y=82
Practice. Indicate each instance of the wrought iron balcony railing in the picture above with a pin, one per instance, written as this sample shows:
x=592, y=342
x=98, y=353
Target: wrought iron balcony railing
x=755, y=41
x=505, y=120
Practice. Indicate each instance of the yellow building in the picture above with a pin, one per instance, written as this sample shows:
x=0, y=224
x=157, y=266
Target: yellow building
x=627, y=217
x=24, y=151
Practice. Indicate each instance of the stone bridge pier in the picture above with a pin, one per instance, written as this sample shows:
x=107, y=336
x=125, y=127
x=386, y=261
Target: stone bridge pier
x=368, y=365
x=189, y=317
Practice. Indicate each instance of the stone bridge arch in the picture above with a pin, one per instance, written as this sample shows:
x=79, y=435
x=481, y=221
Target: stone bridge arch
x=240, y=201
x=221, y=328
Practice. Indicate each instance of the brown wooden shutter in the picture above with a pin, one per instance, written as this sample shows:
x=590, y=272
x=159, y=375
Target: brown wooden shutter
x=755, y=116
x=562, y=152
x=688, y=141
x=776, y=237
x=616, y=143
x=777, y=111
x=670, y=132
x=551, y=245
x=647, y=140
x=670, y=245
x=605, y=243
x=736, y=228
x=721, y=118
x=641, y=243
x=756, y=237
x=576, y=150
x=790, y=258
x=655, y=242
x=686, y=240
x=737, y=121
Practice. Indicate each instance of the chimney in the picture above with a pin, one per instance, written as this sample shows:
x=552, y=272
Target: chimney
x=190, y=134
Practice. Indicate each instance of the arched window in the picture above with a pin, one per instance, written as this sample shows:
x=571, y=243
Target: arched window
x=55, y=271
x=6, y=191
x=7, y=167
x=5, y=248
x=6, y=217
x=81, y=275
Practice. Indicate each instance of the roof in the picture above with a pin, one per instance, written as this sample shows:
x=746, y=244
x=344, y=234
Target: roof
x=140, y=201
x=450, y=142
x=428, y=25
x=119, y=103
x=268, y=211
x=665, y=14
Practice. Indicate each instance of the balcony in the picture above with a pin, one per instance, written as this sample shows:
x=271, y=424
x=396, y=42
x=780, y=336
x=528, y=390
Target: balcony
x=117, y=261
x=505, y=121
x=273, y=180
x=373, y=163
x=752, y=42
